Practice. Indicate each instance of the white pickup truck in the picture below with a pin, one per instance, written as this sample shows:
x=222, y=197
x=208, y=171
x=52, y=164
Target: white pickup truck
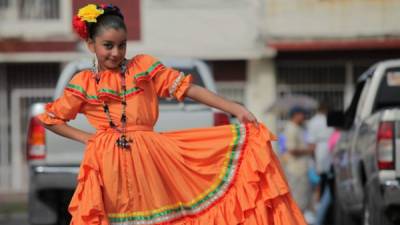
x=54, y=160
x=367, y=157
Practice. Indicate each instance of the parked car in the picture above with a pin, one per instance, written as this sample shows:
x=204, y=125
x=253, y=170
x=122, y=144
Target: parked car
x=367, y=157
x=54, y=160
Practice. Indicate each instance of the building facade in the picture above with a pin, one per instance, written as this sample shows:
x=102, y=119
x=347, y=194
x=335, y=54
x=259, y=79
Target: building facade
x=323, y=46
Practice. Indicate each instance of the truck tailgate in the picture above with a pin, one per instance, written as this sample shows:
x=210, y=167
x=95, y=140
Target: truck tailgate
x=63, y=151
x=176, y=117
x=394, y=115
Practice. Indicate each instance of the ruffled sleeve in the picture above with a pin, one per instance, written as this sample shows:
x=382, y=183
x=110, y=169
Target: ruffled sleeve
x=168, y=82
x=67, y=106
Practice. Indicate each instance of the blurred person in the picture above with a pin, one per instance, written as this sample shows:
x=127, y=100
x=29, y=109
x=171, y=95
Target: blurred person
x=333, y=140
x=297, y=158
x=282, y=143
x=131, y=174
x=318, y=137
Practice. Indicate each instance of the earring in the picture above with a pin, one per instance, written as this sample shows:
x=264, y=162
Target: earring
x=95, y=64
x=95, y=68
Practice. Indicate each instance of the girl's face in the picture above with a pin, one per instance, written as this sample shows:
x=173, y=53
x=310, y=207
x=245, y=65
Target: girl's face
x=109, y=47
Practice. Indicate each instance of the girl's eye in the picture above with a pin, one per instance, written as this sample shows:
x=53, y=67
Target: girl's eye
x=108, y=46
x=123, y=45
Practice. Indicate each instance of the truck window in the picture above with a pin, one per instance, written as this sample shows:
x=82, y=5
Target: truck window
x=388, y=91
x=363, y=98
x=350, y=112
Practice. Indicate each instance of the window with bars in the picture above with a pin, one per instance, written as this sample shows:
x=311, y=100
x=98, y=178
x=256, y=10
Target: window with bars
x=325, y=81
x=30, y=9
x=21, y=85
x=233, y=90
x=39, y=9
x=321, y=81
x=35, y=18
x=4, y=4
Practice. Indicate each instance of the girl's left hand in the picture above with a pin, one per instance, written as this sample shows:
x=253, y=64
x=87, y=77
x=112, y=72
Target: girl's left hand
x=245, y=116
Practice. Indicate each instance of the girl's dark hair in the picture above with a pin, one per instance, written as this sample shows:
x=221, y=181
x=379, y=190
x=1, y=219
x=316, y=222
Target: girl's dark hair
x=111, y=18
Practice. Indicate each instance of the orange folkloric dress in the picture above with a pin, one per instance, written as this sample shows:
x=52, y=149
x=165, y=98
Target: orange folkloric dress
x=222, y=175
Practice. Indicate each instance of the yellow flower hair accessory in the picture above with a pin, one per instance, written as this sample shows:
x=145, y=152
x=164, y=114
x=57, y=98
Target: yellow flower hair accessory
x=90, y=13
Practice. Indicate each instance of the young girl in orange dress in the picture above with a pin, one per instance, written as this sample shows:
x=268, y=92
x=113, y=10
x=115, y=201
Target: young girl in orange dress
x=130, y=174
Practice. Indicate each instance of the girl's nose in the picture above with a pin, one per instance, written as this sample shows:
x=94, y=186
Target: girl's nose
x=115, y=52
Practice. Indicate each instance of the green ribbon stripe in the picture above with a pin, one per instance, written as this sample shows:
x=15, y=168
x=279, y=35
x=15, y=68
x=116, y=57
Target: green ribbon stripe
x=81, y=90
x=224, y=180
x=127, y=92
x=103, y=90
x=145, y=73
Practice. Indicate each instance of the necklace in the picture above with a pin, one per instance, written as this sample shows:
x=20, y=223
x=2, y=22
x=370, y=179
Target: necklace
x=123, y=141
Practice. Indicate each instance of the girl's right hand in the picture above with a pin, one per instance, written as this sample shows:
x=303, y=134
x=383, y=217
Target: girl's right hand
x=70, y=132
x=86, y=138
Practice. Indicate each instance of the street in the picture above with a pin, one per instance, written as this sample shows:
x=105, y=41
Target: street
x=14, y=219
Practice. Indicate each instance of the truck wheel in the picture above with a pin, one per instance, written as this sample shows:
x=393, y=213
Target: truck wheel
x=368, y=208
x=341, y=217
x=373, y=213
x=64, y=217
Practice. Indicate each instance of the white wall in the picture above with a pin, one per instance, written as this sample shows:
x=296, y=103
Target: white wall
x=332, y=18
x=261, y=90
x=208, y=29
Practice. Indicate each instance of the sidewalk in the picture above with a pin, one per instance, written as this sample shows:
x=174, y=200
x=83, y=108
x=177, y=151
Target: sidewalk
x=13, y=206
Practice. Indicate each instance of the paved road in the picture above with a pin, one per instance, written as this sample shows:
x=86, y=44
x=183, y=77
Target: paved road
x=14, y=219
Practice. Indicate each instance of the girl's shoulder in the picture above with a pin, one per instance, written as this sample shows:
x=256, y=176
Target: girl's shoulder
x=82, y=77
x=143, y=60
x=144, y=67
x=83, y=85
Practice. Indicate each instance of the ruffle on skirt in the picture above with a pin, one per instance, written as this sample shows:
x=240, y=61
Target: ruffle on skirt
x=86, y=206
x=257, y=195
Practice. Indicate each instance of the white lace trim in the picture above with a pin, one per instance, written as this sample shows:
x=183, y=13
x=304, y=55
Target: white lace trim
x=52, y=115
x=175, y=85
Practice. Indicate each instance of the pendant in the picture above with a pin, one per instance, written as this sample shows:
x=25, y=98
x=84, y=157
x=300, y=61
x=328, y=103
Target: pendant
x=123, y=142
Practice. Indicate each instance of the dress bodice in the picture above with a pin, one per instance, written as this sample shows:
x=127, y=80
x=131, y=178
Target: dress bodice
x=147, y=79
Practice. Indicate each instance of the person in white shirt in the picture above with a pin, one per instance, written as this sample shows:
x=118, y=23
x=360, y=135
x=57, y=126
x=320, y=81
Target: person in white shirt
x=318, y=136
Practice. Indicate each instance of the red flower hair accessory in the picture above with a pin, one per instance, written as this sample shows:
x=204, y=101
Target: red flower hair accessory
x=80, y=27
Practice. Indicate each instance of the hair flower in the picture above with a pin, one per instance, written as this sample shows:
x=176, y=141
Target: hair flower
x=80, y=27
x=90, y=13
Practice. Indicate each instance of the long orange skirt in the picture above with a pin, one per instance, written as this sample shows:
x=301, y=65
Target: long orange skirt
x=222, y=175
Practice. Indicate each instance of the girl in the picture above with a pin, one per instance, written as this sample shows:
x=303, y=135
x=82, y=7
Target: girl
x=132, y=175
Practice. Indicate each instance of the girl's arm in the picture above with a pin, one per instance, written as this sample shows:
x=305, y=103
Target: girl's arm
x=69, y=132
x=207, y=97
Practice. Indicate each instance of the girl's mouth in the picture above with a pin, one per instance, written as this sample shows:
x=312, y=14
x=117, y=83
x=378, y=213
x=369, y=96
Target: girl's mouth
x=114, y=61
